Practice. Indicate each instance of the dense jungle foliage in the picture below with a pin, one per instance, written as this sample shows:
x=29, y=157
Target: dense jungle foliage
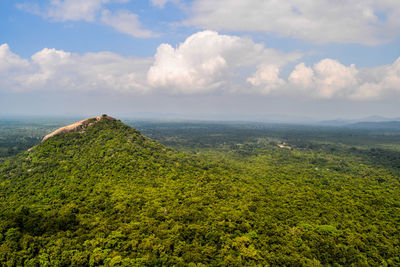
x=222, y=195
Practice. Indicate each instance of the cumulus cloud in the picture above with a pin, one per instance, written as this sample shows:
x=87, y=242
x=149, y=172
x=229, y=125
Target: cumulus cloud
x=10, y=61
x=125, y=22
x=380, y=81
x=358, y=21
x=206, y=60
x=392, y=77
x=302, y=76
x=11, y=66
x=327, y=79
x=266, y=78
x=331, y=79
x=51, y=69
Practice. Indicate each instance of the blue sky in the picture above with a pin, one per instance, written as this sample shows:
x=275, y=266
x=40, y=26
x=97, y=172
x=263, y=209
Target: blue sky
x=201, y=59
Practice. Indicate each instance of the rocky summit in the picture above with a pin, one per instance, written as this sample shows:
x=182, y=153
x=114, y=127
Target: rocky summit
x=78, y=125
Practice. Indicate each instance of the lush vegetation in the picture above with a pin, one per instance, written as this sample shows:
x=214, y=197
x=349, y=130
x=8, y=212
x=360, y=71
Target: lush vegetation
x=225, y=194
x=18, y=135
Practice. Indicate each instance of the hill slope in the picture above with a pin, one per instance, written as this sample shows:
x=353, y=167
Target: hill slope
x=107, y=195
x=104, y=193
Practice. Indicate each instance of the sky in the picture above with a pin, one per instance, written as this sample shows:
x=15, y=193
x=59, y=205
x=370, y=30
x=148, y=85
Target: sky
x=200, y=59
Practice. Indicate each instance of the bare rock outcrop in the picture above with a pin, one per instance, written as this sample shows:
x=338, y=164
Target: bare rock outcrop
x=77, y=126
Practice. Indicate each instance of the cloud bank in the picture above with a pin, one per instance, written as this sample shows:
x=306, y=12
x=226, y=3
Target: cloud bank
x=367, y=22
x=205, y=63
x=51, y=70
x=208, y=60
x=330, y=79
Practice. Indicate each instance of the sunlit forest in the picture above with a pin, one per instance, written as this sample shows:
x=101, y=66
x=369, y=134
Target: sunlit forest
x=199, y=194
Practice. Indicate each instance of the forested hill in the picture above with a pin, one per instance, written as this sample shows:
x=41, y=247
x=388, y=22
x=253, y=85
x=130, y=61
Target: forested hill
x=104, y=194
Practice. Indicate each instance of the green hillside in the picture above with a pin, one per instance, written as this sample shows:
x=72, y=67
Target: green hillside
x=107, y=195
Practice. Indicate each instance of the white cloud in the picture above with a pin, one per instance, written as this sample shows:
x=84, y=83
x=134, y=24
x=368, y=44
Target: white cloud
x=392, y=77
x=266, y=78
x=331, y=79
x=334, y=79
x=11, y=66
x=207, y=60
x=204, y=62
x=66, y=10
x=327, y=79
x=45, y=66
x=51, y=69
x=10, y=61
x=367, y=91
x=74, y=9
x=125, y=22
x=302, y=76
x=380, y=81
x=358, y=21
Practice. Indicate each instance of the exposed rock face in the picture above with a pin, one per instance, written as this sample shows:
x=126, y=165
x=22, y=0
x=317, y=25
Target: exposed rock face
x=77, y=126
